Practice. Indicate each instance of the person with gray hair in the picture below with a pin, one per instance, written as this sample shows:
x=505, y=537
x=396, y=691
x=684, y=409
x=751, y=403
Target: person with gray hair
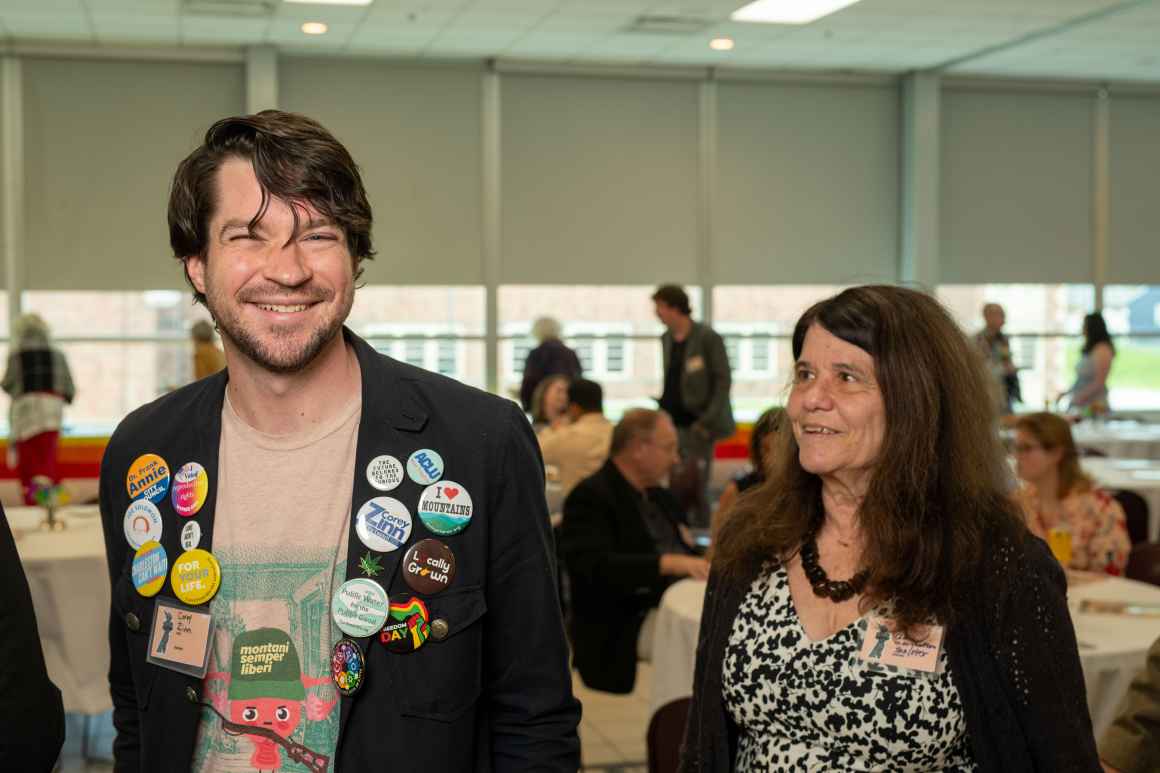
x=624, y=541
x=551, y=357
x=39, y=382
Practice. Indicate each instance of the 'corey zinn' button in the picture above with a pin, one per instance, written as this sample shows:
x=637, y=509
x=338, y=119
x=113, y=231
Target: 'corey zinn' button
x=133, y=622
x=439, y=629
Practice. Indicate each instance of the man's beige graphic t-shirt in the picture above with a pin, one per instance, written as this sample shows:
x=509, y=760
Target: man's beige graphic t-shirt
x=280, y=532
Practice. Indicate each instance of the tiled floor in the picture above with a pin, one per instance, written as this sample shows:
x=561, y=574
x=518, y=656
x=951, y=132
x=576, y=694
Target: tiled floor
x=612, y=732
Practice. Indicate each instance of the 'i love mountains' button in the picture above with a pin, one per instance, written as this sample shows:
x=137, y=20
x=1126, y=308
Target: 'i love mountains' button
x=445, y=507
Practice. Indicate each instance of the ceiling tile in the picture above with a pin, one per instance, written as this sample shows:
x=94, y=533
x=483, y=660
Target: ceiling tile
x=285, y=31
x=152, y=7
x=41, y=7
x=385, y=37
x=331, y=14
x=203, y=30
x=44, y=26
x=149, y=28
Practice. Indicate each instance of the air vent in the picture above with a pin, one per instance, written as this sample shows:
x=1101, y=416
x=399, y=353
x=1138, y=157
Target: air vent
x=241, y=8
x=667, y=25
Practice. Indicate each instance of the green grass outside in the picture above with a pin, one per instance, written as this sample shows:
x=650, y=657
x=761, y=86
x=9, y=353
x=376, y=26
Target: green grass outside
x=1137, y=366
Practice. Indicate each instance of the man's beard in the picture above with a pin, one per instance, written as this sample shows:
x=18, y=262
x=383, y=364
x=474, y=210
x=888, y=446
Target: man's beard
x=285, y=358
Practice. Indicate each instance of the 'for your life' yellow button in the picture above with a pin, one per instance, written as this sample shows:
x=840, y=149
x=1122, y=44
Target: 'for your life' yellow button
x=196, y=576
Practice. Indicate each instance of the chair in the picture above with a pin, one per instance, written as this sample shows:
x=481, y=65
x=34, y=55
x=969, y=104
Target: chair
x=666, y=730
x=1135, y=512
x=1144, y=563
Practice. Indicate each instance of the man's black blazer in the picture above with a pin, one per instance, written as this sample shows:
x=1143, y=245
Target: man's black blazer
x=495, y=694
x=614, y=569
x=31, y=713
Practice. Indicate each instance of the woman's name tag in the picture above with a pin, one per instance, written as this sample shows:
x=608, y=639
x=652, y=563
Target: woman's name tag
x=884, y=646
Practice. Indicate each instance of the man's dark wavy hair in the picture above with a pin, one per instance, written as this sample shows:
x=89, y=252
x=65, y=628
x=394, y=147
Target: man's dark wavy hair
x=295, y=159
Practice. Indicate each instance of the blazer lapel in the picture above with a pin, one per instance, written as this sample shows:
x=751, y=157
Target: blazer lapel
x=391, y=415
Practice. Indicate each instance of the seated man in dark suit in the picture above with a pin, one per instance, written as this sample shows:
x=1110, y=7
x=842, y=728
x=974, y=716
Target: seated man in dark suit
x=623, y=543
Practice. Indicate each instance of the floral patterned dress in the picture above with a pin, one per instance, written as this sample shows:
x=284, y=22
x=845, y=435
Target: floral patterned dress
x=1099, y=530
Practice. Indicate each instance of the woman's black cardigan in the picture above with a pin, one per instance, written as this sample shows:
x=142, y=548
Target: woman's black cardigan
x=1012, y=655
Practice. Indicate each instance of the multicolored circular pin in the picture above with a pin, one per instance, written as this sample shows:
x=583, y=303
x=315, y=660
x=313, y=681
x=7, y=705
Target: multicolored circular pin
x=385, y=472
x=359, y=607
x=196, y=576
x=445, y=507
x=148, y=478
x=425, y=466
x=190, y=535
x=407, y=627
x=142, y=523
x=428, y=566
x=383, y=524
x=150, y=568
x=348, y=666
x=190, y=487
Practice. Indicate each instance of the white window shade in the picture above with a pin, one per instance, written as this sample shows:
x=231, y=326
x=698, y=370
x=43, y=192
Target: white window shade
x=1135, y=190
x=599, y=181
x=414, y=132
x=102, y=141
x=808, y=184
x=1016, y=188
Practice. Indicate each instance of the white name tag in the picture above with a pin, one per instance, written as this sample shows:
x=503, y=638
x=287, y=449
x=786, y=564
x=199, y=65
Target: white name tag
x=180, y=638
x=885, y=646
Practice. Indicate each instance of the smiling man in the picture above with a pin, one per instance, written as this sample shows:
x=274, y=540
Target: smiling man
x=296, y=512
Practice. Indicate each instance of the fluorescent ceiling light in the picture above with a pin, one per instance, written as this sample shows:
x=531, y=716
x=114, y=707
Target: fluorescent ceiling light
x=789, y=11
x=314, y=28
x=330, y=2
x=721, y=44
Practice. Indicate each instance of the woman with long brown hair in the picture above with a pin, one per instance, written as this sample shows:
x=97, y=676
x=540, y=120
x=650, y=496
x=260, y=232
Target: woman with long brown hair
x=878, y=603
x=1058, y=495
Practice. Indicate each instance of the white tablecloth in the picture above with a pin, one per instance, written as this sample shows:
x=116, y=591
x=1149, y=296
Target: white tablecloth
x=1139, y=475
x=1112, y=647
x=1125, y=440
x=69, y=580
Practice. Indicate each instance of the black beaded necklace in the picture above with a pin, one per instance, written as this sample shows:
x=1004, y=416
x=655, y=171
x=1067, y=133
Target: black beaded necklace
x=836, y=591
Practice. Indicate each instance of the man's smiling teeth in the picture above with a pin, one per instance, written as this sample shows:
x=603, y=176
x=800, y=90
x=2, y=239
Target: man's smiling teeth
x=820, y=431
x=282, y=309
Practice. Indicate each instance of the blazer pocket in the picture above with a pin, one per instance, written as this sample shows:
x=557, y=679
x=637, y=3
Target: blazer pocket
x=136, y=615
x=443, y=678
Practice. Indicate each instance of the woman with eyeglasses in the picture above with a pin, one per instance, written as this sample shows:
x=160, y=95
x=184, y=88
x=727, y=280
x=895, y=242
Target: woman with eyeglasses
x=1058, y=496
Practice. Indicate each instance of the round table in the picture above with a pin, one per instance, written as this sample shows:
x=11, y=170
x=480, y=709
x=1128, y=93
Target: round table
x=69, y=582
x=1139, y=475
x=1125, y=440
x=1112, y=647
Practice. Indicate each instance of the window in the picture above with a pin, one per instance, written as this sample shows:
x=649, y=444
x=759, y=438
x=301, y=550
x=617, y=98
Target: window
x=1043, y=325
x=1133, y=316
x=438, y=328
x=447, y=363
x=612, y=329
x=757, y=323
x=128, y=348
